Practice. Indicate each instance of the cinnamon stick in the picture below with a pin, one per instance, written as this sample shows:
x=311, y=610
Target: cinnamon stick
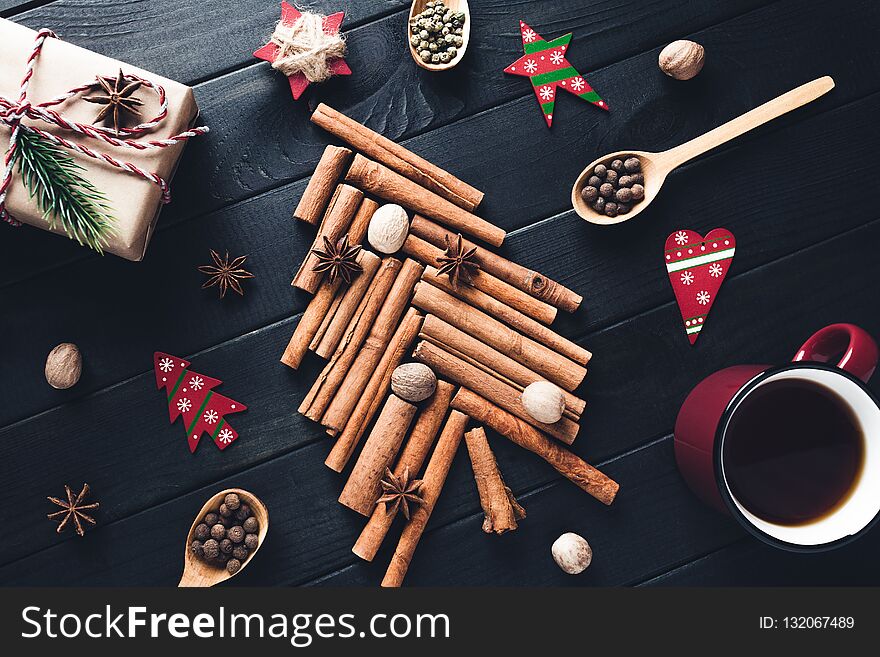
x=377, y=387
x=434, y=478
x=373, y=348
x=500, y=506
x=567, y=464
x=333, y=227
x=327, y=384
x=397, y=157
x=510, y=316
x=361, y=222
x=552, y=366
x=455, y=369
x=362, y=488
x=428, y=254
x=412, y=458
x=490, y=360
x=328, y=319
x=322, y=183
x=383, y=182
x=520, y=277
x=325, y=344
x=309, y=324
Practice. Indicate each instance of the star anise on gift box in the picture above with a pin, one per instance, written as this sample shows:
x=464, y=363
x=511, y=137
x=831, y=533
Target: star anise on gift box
x=398, y=492
x=225, y=274
x=117, y=101
x=457, y=263
x=339, y=260
x=73, y=508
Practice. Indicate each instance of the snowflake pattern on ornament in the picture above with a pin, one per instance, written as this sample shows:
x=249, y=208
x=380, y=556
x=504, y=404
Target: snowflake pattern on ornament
x=578, y=84
x=687, y=277
x=556, y=57
x=716, y=270
x=529, y=35
x=183, y=405
x=703, y=297
x=531, y=66
x=166, y=365
x=681, y=237
x=196, y=383
x=225, y=436
x=546, y=93
x=211, y=417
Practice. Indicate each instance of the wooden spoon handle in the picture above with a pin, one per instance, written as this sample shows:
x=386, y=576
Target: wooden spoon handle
x=762, y=114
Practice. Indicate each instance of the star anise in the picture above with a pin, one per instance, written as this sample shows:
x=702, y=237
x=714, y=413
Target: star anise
x=398, y=492
x=73, y=508
x=225, y=274
x=457, y=263
x=340, y=260
x=117, y=102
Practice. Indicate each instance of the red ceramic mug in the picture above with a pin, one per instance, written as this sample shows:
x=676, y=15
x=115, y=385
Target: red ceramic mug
x=707, y=412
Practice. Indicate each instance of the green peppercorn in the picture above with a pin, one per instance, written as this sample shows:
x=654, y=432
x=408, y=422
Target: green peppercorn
x=425, y=55
x=435, y=58
x=458, y=41
x=444, y=57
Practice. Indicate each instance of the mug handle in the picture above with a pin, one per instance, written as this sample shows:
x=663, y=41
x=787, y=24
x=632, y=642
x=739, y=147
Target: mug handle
x=859, y=350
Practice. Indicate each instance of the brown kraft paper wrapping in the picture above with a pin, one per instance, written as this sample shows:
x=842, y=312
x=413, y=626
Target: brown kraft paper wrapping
x=134, y=202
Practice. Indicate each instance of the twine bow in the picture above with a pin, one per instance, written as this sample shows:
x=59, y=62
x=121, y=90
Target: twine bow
x=12, y=112
x=305, y=48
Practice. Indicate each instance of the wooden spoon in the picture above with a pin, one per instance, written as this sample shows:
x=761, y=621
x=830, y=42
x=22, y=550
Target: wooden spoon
x=418, y=6
x=198, y=573
x=656, y=166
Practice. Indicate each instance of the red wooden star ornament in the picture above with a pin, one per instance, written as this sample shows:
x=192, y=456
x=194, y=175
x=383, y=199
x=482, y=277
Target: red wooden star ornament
x=270, y=52
x=548, y=69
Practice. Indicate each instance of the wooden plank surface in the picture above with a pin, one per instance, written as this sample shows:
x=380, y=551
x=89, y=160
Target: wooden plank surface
x=796, y=248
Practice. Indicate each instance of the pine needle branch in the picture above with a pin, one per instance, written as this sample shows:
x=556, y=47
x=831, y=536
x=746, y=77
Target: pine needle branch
x=63, y=194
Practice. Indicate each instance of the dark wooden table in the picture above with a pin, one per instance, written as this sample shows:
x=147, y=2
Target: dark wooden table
x=800, y=195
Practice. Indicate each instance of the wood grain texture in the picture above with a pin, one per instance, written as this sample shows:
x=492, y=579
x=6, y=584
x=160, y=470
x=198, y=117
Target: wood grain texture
x=661, y=363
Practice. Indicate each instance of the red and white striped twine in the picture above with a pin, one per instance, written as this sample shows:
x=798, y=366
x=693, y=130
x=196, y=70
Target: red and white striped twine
x=12, y=113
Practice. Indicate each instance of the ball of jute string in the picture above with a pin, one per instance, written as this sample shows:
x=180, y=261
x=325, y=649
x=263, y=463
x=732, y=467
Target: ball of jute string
x=305, y=48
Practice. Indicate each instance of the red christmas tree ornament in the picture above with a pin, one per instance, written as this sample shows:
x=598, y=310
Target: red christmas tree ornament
x=191, y=395
x=697, y=266
x=547, y=68
x=306, y=47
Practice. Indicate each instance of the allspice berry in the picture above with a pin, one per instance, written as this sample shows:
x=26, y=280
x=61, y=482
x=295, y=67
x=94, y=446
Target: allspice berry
x=232, y=502
x=63, y=366
x=225, y=511
x=624, y=195
x=589, y=193
x=197, y=548
x=233, y=566
x=251, y=526
x=235, y=534
x=251, y=541
x=240, y=552
x=611, y=209
x=600, y=170
x=606, y=190
x=226, y=546
x=211, y=519
x=211, y=549
x=632, y=164
x=611, y=177
x=218, y=532
x=572, y=553
x=617, y=165
x=243, y=513
x=202, y=532
x=638, y=192
x=413, y=382
x=544, y=401
x=682, y=59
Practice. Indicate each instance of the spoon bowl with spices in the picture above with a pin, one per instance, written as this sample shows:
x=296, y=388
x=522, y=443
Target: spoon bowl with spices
x=199, y=573
x=438, y=32
x=618, y=186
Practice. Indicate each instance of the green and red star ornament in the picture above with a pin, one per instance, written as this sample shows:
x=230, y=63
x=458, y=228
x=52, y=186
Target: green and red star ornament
x=548, y=69
x=697, y=266
x=298, y=81
x=190, y=395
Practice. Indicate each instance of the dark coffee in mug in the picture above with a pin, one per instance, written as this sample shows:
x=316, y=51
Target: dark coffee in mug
x=793, y=451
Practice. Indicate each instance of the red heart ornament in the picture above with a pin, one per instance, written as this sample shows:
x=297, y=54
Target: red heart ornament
x=697, y=266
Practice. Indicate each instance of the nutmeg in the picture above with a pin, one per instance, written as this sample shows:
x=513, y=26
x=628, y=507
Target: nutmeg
x=388, y=228
x=544, y=401
x=64, y=366
x=413, y=382
x=682, y=59
x=572, y=553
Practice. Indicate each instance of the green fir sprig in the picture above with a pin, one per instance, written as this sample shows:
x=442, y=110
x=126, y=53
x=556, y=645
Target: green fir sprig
x=53, y=178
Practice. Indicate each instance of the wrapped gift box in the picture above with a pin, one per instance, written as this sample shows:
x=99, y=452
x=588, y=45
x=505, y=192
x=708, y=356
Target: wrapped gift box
x=134, y=201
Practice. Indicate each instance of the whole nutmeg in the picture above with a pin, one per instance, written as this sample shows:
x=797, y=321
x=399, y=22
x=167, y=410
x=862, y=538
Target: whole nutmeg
x=251, y=526
x=413, y=382
x=544, y=401
x=388, y=228
x=572, y=553
x=63, y=366
x=232, y=502
x=682, y=59
x=251, y=541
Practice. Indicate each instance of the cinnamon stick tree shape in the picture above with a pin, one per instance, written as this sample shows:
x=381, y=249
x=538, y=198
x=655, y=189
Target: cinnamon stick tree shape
x=190, y=395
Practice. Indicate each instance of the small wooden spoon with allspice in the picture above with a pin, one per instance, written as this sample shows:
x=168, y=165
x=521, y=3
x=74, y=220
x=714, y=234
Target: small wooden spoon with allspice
x=198, y=573
x=656, y=166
